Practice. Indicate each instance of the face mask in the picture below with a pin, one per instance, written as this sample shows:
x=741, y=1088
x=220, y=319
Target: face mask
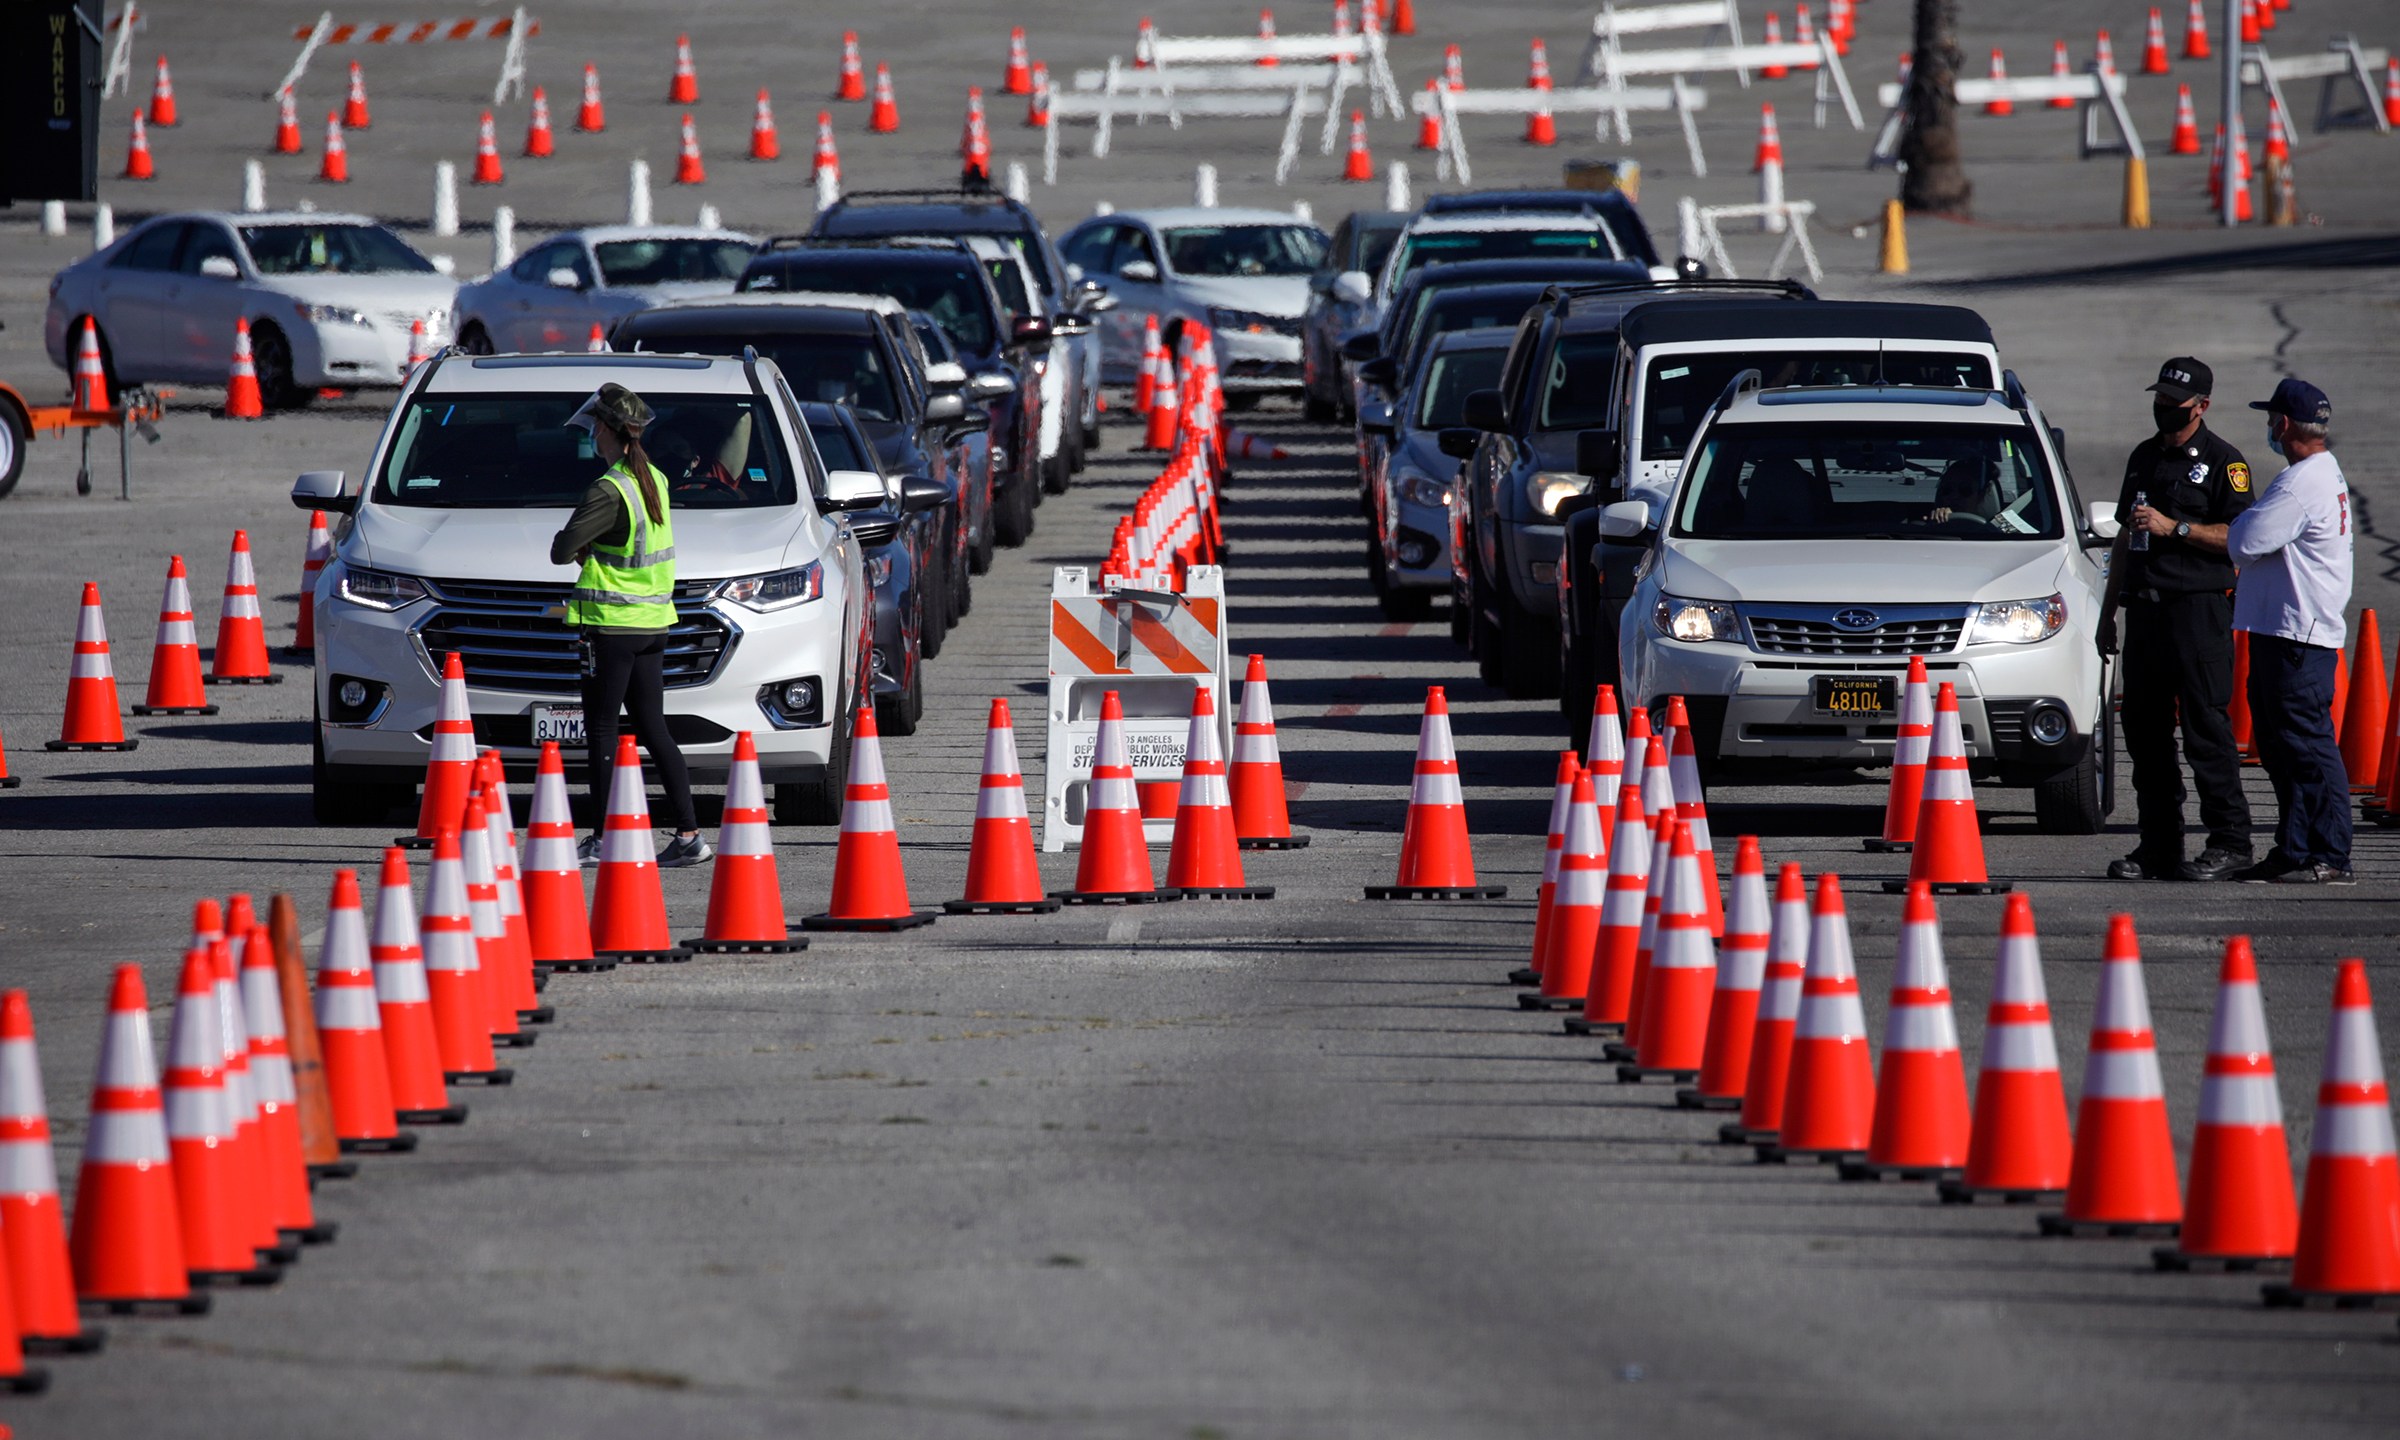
x=2274, y=437
x=2170, y=417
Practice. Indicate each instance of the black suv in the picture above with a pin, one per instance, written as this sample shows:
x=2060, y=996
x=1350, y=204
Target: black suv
x=1612, y=208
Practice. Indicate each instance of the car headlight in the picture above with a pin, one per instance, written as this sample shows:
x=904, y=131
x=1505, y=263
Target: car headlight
x=2018, y=622
x=1695, y=621
x=879, y=569
x=1226, y=320
x=1423, y=490
x=1549, y=489
x=380, y=589
x=775, y=590
x=332, y=315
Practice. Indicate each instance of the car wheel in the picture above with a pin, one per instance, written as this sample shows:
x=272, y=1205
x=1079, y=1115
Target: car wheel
x=1242, y=400
x=1484, y=640
x=336, y=799
x=1529, y=658
x=1055, y=474
x=933, y=586
x=475, y=340
x=12, y=445
x=819, y=802
x=1408, y=605
x=1012, y=517
x=1575, y=687
x=962, y=586
x=979, y=551
x=271, y=352
x=1315, y=407
x=2068, y=803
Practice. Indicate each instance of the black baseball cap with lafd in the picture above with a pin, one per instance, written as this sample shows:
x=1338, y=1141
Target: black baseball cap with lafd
x=2184, y=377
x=2296, y=399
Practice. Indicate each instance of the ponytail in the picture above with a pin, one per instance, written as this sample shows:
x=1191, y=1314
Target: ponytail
x=644, y=476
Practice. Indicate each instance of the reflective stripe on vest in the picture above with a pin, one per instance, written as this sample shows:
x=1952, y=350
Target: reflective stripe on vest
x=630, y=586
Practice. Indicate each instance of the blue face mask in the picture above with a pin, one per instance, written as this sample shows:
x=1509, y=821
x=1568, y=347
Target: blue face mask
x=2274, y=437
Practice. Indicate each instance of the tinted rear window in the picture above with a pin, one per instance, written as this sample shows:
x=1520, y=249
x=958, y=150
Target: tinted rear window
x=951, y=291
x=1680, y=388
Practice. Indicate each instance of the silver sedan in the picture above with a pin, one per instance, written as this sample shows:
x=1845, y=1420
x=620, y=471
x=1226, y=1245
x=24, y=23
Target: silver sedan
x=558, y=290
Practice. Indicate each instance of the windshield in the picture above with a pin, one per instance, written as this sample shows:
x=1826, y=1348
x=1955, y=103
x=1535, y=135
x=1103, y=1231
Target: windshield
x=515, y=452
x=1583, y=243
x=1438, y=312
x=331, y=250
x=1009, y=280
x=665, y=262
x=1575, y=394
x=953, y=295
x=1375, y=247
x=1682, y=387
x=1449, y=377
x=834, y=444
x=1243, y=249
x=1868, y=481
x=835, y=369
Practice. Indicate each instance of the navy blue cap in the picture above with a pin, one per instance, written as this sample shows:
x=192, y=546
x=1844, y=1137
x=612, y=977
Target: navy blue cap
x=2296, y=399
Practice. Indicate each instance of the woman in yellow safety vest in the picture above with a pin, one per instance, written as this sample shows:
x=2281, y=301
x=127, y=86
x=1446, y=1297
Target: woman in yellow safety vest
x=624, y=536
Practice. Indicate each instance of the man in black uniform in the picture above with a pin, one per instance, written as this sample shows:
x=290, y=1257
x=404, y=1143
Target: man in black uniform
x=2177, y=598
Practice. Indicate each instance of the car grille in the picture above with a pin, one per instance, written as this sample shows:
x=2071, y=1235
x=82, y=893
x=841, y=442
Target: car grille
x=501, y=633
x=1791, y=635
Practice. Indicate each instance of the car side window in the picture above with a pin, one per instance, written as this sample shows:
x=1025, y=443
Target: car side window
x=206, y=242
x=153, y=249
x=534, y=265
x=804, y=445
x=1133, y=243
x=1090, y=248
x=902, y=338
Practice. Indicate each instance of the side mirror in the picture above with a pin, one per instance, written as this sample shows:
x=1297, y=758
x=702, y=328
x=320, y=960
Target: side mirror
x=322, y=490
x=2058, y=442
x=1140, y=272
x=1485, y=410
x=1027, y=331
x=1361, y=345
x=946, y=407
x=919, y=493
x=563, y=278
x=1375, y=418
x=1382, y=372
x=1075, y=274
x=992, y=385
x=1096, y=300
x=2101, y=516
x=854, y=490
x=945, y=375
x=1596, y=454
x=1068, y=322
x=1353, y=287
x=220, y=267
x=1458, y=442
x=1624, y=523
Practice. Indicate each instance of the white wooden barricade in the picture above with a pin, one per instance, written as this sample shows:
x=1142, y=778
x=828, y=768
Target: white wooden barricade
x=1613, y=23
x=1788, y=213
x=1125, y=93
x=1365, y=51
x=120, y=51
x=1832, y=80
x=2101, y=93
x=1684, y=100
x=2343, y=60
x=512, y=56
x=1154, y=648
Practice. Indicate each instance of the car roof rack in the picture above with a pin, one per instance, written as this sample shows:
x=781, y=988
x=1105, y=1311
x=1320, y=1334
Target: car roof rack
x=985, y=194
x=1786, y=289
x=863, y=242
x=2012, y=390
x=1743, y=381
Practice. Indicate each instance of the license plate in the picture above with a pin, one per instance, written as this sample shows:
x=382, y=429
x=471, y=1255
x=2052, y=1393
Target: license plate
x=1856, y=697
x=558, y=722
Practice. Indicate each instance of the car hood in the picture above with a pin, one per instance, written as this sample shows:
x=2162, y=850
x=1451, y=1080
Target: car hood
x=1862, y=572
x=1421, y=451
x=375, y=294
x=515, y=544
x=1285, y=295
x=665, y=291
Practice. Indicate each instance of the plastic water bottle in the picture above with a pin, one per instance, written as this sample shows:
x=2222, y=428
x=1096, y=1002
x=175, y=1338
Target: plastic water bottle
x=2141, y=536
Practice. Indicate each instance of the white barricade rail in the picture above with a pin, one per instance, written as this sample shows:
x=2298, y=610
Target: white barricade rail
x=1684, y=100
x=514, y=28
x=2102, y=95
x=1154, y=648
x=1614, y=23
x=1790, y=215
x=2343, y=60
x=120, y=51
x=1292, y=93
x=1832, y=79
x=1365, y=51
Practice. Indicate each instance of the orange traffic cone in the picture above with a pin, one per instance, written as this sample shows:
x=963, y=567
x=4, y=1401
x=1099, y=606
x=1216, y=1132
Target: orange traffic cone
x=765, y=144
x=2366, y=709
x=1203, y=860
x=138, y=164
x=2241, y=1213
x=287, y=123
x=688, y=169
x=8, y=781
x=1266, y=32
x=2349, y=1246
x=1770, y=141
x=354, y=108
x=1562, y=800
x=1145, y=374
x=684, y=89
x=852, y=85
x=1357, y=164
x=1921, y=1117
x=2391, y=91
x=2104, y=54
x=2387, y=773
x=1429, y=126
x=283, y=1163
x=2279, y=143
x=126, y=1242
x=404, y=1003
x=2341, y=693
x=1773, y=36
x=241, y=656
x=40, y=1281
x=487, y=153
x=591, y=116
x=1260, y=816
x=1437, y=860
x=2000, y=104
x=2060, y=69
x=1145, y=40
x=257, y=1220
x=313, y=558
x=1741, y=970
x=2123, y=1181
x=450, y=769
x=2186, y=138
x=1604, y=749
x=2195, y=30
x=91, y=721
x=975, y=141
x=175, y=684
x=1114, y=868
x=1608, y=995
x=2255, y=20
x=1017, y=79
x=870, y=888
x=1165, y=408
x=1404, y=17
x=1537, y=70
x=420, y=349
x=213, y=1189
x=1910, y=749
x=1037, y=109
x=1541, y=127
x=828, y=160
x=2019, y=1149
x=1804, y=32
x=1658, y=805
x=1003, y=876
x=1691, y=807
x=629, y=907
x=1779, y=994
x=335, y=168
x=243, y=401
x=1948, y=851
x=91, y=373
x=455, y=985
x=162, y=97
x=500, y=981
x=745, y=896
x=557, y=926
x=539, y=141
x=1829, y=1093
x=350, y=1027
x=884, y=117
x=2154, y=45
x=500, y=839
x=1673, y=1036
x=1577, y=903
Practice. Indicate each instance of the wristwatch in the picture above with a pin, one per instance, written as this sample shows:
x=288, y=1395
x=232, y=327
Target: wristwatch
x=2183, y=529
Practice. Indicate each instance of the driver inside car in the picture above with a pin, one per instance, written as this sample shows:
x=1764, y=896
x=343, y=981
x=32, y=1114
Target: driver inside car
x=1966, y=492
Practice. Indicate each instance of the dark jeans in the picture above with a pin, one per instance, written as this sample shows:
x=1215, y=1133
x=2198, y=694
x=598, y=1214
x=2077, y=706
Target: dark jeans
x=626, y=674
x=2291, y=715
x=2178, y=667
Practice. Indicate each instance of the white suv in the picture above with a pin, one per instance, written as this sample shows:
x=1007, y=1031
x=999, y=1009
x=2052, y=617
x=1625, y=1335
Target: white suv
x=445, y=549
x=1818, y=537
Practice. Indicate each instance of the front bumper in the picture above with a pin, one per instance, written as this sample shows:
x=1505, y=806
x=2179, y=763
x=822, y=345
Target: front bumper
x=1268, y=363
x=350, y=355
x=1421, y=533
x=1529, y=558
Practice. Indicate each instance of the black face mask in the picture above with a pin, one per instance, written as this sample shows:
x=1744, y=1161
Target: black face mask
x=2170, y=416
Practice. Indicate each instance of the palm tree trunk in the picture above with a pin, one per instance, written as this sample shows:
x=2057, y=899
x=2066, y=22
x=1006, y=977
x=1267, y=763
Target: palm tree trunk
x=1936, y=179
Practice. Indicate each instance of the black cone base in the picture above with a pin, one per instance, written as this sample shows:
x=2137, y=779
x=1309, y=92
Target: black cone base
x=2079, y=1229
x=1047, y=905
x=1637, y=1074
x=399, y=1144
x=1273, y=842
x=148, y=710
x=644, y=957
x=333, y=1170
x=1436, y=892
x=1734, y=1132
x=269, y=679
x=521, y=1040
x=1869, y=1170
x=196, y=1303
x=1228, y=892
x=1773, y=1153
x=1700, y=1100
x=413, y=842
x=2167, y=1257
x=90, y=1340
x=91, y=744
x=29, y=1380
x=538, y=1015
x=1581, y=1025
x=324, y=1232
x=498, y=1075
x=1954, y=887
x=1959, y=1192
x=1881, y=846
x=593, y=966
x=1525, y=975
x=877, y=925
x=256, y=1278
x=1550, y=1002
x=792, y=945
x=2284, y=1297
x=1117, y=897
x=446, y=1115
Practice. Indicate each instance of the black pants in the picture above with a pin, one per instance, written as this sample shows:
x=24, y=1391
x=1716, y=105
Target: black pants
x=2179, y=668
x=2291, y=717
x=625, y=673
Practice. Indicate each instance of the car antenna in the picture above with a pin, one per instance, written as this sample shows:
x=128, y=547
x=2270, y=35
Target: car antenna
x=1880, y=382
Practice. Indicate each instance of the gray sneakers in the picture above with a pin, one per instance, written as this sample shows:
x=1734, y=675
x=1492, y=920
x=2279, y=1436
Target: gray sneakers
x=680, y=852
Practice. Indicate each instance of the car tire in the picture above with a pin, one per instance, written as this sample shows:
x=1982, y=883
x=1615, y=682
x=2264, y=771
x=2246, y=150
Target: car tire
x=1012, y=517
x=336, y=799
x=1529, y=658
x=819, y=802
x=271, y=353
x=1055, y=475
x=1091, y=438
x=475, y=340
x=933, y=590
x=981, y=550
x=1406, y=605
x=1575, y=687
x=1313, y=407
x=13, y=436
x=2068, y=802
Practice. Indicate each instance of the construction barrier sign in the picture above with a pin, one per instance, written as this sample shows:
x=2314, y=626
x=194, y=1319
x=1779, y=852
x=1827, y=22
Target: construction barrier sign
x=1154, y=648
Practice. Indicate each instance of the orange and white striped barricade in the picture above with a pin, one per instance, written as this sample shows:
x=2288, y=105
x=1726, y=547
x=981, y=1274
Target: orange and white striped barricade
x=1153, y=647
x=514, y=29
